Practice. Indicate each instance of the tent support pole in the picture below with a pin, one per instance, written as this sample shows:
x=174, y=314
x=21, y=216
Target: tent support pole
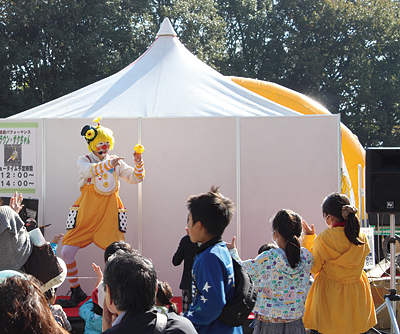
x=238, y=211
x=140, y=198
x=41, y=206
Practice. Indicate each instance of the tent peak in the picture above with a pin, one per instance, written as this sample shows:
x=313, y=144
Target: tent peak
x=166, y=29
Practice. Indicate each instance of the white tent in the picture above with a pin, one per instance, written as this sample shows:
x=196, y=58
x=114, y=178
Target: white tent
x=166, y=81
x=163, y=100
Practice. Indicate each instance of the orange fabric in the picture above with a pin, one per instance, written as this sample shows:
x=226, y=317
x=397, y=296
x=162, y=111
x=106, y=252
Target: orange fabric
x=73, y=282
x=73, y=273
x=97, y=219
x=340, y=299
x=71, y=265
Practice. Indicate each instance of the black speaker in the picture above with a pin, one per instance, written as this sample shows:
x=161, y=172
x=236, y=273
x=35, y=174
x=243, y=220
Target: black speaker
x=382, y=180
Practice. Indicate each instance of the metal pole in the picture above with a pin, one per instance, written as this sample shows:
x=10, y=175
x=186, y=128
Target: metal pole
x=238, y=190
x=360, y=195
x=140, y=197
x=392, y=269
x=364, y=211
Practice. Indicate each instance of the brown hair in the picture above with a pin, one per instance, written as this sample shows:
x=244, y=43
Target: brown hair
x=164, y=297
x=24, y=308
x=288, y=225
x=333, y=205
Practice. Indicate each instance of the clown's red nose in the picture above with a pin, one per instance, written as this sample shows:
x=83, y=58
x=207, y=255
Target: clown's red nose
x=104, y=147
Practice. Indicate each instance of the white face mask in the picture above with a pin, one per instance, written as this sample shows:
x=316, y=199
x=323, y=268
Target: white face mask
x=273, y=239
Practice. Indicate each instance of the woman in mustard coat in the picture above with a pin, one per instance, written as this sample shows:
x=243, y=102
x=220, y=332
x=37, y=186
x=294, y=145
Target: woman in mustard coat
x=340, y=299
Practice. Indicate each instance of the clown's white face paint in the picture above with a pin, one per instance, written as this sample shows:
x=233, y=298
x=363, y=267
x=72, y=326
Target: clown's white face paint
x=102, y=149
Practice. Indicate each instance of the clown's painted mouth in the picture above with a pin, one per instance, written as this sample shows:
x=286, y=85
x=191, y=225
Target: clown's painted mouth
x=103, y=153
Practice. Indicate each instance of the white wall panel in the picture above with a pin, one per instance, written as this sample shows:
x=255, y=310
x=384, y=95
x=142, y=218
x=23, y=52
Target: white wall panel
x=262, y=164
x=183, y=157
x=286, y=163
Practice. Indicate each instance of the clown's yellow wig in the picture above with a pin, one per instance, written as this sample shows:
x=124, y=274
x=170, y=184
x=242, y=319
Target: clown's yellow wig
x=103, y=135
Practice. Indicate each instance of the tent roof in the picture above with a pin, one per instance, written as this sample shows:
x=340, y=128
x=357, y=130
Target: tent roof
x=166, y=81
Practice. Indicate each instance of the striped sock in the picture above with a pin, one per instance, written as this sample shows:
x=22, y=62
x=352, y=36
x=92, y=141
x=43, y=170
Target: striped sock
x=72, y=274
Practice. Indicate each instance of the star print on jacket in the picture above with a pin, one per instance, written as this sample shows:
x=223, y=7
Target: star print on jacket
x=213, y=284
x=206, y=286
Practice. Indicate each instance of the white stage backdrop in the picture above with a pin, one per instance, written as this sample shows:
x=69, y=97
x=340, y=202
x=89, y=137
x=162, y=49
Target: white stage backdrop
x=263, y=164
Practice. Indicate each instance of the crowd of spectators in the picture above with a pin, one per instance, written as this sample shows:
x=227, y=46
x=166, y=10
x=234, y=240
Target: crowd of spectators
x=128, y=297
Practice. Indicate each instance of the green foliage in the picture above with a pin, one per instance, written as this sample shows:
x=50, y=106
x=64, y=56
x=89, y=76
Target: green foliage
x=247, y=35
x=199, y=28
x=373, y=80
x=344, y=54
x=50, y=48
x=57, y=46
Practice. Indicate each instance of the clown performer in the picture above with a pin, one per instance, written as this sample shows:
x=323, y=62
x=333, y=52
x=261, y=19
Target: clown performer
x=98, y=215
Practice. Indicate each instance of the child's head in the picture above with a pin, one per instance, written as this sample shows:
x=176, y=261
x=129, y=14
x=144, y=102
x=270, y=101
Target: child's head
x=213, y=210
x=266, y=247
x=116, y=246
x=338, y=207
x=164, y=297
x=288, y=224
x=96, y=135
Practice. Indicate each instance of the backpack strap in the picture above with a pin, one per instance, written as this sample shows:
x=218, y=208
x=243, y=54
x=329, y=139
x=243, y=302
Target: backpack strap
x=161, y=323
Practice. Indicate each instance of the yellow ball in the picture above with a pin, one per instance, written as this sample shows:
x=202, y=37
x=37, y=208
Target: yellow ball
x=139, y=149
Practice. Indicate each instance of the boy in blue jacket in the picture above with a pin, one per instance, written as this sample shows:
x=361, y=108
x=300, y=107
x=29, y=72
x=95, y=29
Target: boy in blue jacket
x=213, y=281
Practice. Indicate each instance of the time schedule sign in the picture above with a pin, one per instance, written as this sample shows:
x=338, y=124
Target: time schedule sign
x=18, y=157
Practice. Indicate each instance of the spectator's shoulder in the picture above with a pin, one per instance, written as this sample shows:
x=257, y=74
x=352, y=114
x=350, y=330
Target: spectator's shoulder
x=9, y=219
x=186, y=238
x=305, y=252
x=178, y=324
x=7, y=210
x=57, y=307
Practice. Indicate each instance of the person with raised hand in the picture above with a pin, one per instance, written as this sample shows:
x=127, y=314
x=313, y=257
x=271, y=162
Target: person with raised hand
x=340, y=299
x=281, y=276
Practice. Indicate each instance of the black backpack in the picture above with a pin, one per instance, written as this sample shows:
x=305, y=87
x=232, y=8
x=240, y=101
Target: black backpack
x=236, y=311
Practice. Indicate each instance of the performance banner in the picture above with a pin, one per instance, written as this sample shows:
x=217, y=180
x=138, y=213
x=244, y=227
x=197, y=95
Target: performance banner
x=18, y=157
